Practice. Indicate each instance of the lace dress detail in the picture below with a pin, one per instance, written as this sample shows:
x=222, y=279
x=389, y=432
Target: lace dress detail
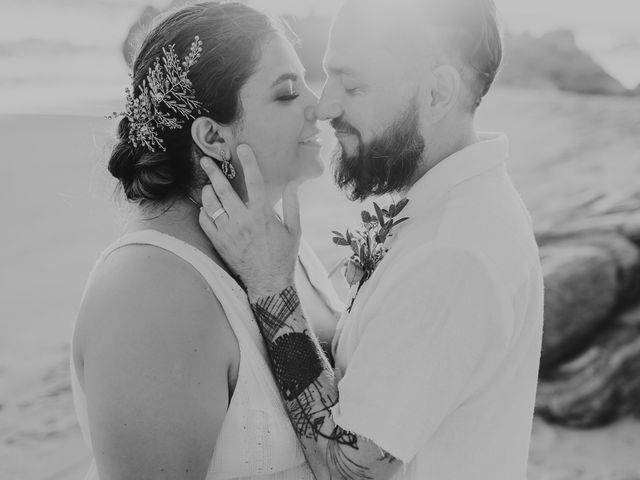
x=256, y=439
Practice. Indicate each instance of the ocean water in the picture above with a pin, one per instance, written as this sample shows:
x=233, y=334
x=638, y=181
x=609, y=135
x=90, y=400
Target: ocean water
x=64, y=56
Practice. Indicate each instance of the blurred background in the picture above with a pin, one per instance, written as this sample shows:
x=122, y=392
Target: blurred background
x=568, y=97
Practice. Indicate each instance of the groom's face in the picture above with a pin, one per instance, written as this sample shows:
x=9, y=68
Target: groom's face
x=372, y=98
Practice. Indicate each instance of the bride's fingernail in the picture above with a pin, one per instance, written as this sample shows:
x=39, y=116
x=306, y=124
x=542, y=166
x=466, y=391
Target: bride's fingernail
x=205, y=162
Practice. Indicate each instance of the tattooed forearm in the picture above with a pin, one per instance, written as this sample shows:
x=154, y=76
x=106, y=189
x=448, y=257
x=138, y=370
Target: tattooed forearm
x=272, y=313
x=307, y=384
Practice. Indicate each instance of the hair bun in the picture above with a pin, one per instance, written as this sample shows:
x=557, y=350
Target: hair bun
x=143, y=175
x=123, y=157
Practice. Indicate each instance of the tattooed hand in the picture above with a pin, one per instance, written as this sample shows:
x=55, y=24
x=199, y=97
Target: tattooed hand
x=259, y=248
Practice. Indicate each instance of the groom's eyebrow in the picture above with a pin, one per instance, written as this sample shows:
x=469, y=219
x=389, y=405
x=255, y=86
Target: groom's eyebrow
x=285, y=77
x=340, y=71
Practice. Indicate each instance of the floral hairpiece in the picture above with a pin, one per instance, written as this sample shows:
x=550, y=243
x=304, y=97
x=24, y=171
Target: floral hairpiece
x=166, y=85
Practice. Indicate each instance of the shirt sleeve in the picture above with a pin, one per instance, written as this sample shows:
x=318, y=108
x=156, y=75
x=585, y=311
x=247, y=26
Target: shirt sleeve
x=435, y=328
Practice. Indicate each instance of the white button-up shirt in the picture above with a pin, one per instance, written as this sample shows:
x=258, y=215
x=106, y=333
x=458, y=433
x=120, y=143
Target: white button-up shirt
x=438, y=358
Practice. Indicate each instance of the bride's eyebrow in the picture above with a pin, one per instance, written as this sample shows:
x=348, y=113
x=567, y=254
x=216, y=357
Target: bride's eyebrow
x=284, y=78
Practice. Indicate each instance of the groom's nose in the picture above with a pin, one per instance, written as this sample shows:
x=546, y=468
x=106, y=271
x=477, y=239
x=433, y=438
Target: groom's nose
x=328, y=106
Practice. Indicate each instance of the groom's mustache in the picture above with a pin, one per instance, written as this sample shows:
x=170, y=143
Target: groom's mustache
x=340, y=125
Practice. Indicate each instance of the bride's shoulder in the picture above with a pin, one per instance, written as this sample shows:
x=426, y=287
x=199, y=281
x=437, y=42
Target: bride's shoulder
x=149, y=275
x=142, y=290
x=153, y=357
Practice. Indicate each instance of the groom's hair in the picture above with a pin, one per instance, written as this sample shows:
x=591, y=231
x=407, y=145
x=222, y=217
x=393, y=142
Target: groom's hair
x=466, y=32
x=475, y=38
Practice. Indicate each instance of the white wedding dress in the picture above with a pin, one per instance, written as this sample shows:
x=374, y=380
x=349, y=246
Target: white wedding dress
x=256, y=439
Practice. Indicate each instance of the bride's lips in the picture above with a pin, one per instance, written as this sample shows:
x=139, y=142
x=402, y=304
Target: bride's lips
x=312, y=140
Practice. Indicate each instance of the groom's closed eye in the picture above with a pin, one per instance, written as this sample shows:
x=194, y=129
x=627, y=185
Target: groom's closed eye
x=351, y=87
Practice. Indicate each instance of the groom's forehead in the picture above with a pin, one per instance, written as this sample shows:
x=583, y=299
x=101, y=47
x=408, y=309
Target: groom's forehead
x=365, y=30
x=385, y=18
x=359, y=22
x=364, y=64
x=358, y=47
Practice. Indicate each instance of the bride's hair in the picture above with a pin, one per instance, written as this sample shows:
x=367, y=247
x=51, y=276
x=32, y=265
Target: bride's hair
x=232, y=36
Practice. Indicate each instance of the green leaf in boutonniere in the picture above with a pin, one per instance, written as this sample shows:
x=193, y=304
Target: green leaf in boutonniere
x=368, y=243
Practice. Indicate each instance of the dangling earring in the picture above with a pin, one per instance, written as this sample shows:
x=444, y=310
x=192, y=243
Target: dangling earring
x=227, y=168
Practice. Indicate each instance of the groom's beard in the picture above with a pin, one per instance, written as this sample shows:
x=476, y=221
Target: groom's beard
x=386, y=164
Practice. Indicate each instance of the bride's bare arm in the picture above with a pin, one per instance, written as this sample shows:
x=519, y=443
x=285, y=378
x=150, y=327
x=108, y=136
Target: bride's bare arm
x=155, y=350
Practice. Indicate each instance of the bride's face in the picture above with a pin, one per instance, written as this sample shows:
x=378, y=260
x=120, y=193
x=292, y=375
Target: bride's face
x=278, y=118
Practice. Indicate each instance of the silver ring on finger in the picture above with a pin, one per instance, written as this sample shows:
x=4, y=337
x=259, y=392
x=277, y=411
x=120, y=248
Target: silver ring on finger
x=217, y=214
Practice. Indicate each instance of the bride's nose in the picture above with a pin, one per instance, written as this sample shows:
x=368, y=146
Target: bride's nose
x=311, y=100
x=310, y=113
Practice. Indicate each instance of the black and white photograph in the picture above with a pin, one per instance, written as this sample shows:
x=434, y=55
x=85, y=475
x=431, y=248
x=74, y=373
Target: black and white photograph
x=320, y=240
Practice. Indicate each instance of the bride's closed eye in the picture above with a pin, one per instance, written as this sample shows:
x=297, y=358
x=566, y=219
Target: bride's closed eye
x=287, y=92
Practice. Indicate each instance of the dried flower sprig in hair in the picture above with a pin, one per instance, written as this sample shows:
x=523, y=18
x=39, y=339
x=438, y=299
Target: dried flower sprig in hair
x=165, y=99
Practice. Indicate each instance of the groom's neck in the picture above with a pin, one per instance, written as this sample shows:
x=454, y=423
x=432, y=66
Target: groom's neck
x=444, y=141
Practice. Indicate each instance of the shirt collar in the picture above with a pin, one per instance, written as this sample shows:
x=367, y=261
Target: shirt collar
x=491, y=151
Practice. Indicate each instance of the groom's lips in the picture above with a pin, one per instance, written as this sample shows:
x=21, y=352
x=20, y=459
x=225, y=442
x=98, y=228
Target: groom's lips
x=343, y=133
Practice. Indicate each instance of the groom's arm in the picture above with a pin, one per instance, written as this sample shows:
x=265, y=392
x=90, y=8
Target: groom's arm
x=307, y=384
x=262, y=252
x=448, y=308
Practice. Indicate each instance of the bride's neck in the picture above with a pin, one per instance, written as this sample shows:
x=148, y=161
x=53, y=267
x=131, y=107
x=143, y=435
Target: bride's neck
x=178, y=219
x=273, y=194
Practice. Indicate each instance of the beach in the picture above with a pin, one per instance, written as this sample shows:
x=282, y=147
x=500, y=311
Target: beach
x=570, y=156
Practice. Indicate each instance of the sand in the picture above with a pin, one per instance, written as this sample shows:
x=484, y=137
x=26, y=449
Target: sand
x=59, y=211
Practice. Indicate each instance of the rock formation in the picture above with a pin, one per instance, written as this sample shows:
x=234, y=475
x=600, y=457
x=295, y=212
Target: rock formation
x=553, y=60
x=590, y=367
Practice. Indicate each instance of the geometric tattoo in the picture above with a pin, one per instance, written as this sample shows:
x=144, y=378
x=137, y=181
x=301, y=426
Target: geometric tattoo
x=273, y=312
x=295, y=365
x=306, y=382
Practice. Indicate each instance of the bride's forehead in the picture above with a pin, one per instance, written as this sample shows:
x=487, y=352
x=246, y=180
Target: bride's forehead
x=278, y=57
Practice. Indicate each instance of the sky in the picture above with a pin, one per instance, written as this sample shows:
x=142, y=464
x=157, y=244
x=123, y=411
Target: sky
x=590, y=16
x=530, y=15
x=75, y=44
x=608, y=29
x=612, y=13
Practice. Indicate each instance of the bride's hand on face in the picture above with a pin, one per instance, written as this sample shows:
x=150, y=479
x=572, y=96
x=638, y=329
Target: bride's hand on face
x=256, y=246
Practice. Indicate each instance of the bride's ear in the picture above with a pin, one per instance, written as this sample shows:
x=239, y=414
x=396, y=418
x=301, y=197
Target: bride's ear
x=208, y=136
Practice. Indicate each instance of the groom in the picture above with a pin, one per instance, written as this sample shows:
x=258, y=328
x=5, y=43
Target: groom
x=437, y=360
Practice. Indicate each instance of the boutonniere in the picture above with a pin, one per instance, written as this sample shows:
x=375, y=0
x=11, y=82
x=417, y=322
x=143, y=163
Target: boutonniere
x=368, y=243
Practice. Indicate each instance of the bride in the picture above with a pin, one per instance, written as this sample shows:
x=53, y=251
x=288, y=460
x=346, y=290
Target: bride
x=169, y=372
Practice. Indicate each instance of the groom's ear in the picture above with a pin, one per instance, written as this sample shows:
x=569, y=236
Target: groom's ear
x=208, y=135
x=444, y=91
